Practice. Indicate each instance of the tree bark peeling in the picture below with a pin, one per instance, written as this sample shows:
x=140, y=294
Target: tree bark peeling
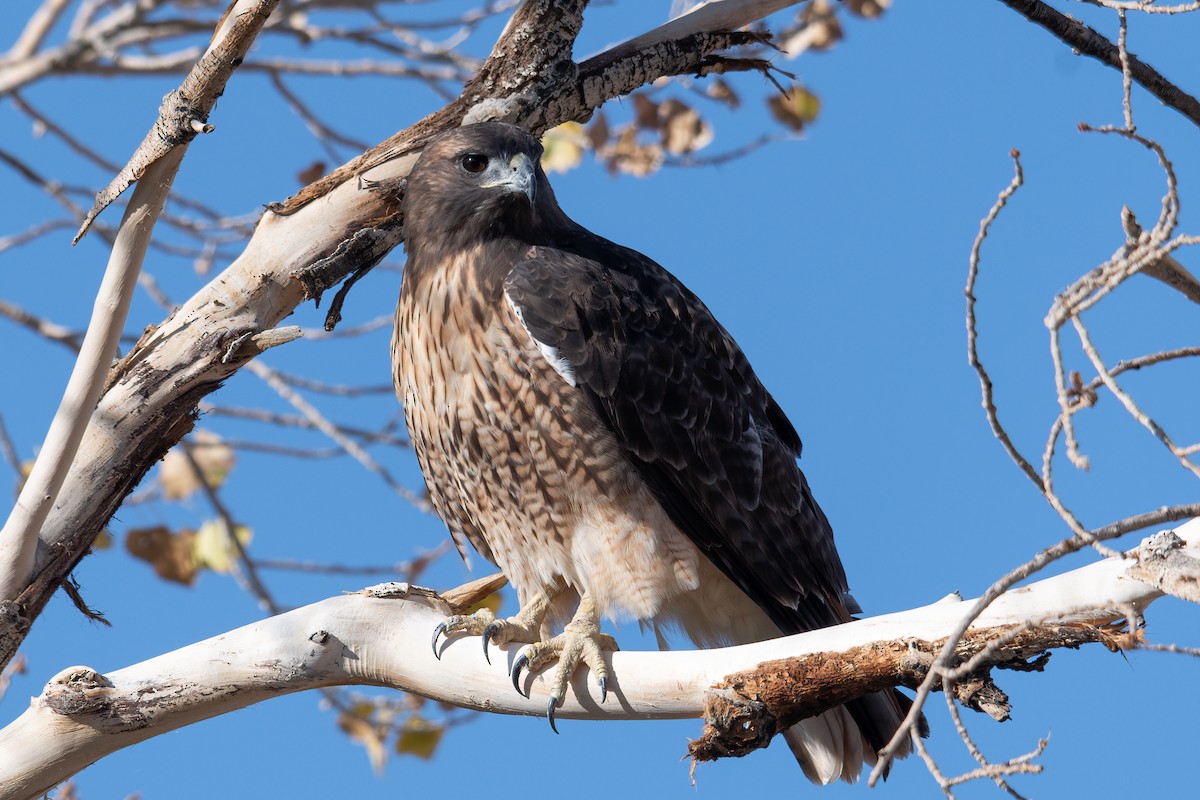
x=746, y=709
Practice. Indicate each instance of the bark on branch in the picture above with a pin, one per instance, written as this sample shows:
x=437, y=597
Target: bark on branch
x=380, y=637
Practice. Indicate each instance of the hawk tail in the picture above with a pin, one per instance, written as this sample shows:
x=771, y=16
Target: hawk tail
x=839, y=742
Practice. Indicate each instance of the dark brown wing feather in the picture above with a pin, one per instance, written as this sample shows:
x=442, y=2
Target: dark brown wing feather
x=703, y=432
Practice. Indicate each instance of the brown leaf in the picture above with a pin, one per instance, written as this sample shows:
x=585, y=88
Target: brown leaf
x=597, y=131
x=821, y=25
x=817, y=27
x=681, y=128
x=720, y=90
x=311, y=173
x=870, y=9
x=629, y=156
x=645, y=112
x=796, y=109
x=169, y=553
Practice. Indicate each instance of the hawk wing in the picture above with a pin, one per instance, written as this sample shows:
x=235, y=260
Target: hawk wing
x=705, y=435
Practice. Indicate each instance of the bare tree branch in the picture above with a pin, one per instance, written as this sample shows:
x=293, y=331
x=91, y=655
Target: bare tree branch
x=1087, y=41
x=380, y=637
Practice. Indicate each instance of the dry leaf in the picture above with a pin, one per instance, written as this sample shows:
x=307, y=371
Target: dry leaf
x=597, y=131
x=419, y=738
x=311, y=173
x=562, y=147
x=213, y=548
x=645, y=112
x=796, y=109
x=170, y=554
x=627, y=155
x=682, y=130
x=821, y=25
x=870, y=9
x=720, y=90
x=817, y=27
x=368, y=735
x=214, y=458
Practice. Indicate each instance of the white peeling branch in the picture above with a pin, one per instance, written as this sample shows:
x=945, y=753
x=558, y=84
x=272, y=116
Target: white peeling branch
x=382, y=638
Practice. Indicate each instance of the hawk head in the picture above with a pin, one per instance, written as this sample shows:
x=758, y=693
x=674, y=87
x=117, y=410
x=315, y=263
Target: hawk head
x=476, y=183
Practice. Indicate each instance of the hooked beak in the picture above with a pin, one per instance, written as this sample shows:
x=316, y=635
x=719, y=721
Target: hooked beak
x=518, y=176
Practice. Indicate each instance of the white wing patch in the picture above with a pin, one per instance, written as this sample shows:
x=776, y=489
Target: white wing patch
x=563, y=367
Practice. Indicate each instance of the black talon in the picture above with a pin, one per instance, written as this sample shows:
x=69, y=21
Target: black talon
x=487, y=638
x=550, y=712
x=438, y=631
x=603, y=688
x=521, y=662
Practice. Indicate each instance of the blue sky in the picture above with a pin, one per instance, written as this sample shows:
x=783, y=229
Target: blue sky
x=837, y=260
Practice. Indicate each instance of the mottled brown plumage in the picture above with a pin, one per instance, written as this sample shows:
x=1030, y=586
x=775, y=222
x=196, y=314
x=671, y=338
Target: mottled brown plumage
x=587, y=425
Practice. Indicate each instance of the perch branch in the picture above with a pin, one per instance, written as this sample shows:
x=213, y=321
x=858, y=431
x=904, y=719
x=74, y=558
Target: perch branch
x=380, y=637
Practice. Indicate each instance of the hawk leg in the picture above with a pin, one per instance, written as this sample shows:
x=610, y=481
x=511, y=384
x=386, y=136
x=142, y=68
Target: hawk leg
x=581, y=642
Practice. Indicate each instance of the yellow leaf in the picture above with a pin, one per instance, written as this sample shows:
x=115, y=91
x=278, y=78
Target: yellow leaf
x=103, y=540
x=369, y=736
x=796, y=109
x=419, y=738
x=170, y=554
x=491, y=603
x=214, y=458
x=213, y=548
x=562, y=147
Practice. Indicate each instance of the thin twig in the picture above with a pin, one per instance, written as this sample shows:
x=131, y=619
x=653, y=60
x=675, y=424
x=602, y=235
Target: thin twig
x=249, y=573
x=1143, y=419
x=272, y=379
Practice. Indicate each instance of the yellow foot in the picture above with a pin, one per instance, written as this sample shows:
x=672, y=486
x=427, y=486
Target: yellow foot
x=525, y=626
x=581, y=642
x=484, y=623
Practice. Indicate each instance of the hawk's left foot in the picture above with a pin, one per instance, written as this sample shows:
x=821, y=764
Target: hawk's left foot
x=581, y=642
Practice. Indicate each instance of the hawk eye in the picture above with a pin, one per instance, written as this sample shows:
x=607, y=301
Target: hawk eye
x=474, y=162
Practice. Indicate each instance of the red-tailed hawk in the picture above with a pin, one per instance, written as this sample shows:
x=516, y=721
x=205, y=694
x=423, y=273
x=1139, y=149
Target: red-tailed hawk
x=583, y=421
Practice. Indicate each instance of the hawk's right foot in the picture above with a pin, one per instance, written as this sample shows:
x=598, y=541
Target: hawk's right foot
x=525, y=626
